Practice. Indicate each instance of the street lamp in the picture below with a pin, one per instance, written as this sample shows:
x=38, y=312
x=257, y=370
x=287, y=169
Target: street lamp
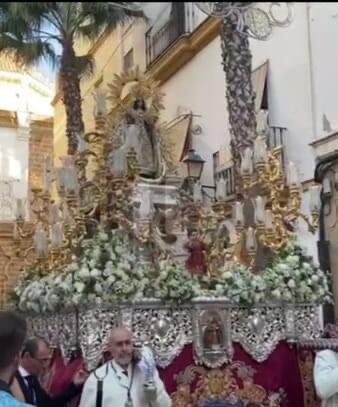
x=194, y=164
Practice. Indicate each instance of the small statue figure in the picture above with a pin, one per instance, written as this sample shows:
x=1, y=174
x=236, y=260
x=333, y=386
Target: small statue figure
x=213, y=335
x=196, y=262
x=140, y=135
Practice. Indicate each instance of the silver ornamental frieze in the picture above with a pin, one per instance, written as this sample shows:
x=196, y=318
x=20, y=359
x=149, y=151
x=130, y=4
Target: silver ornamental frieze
x=166, y=330
x=94, y=329
x=258, y=330
x=211, y=326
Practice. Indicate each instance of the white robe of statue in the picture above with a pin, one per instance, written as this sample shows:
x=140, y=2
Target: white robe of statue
x=115, y=388
x=142, y=139
x=326, y=377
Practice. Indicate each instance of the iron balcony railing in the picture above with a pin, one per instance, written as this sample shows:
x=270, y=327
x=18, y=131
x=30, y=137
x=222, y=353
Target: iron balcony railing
x=182, y=20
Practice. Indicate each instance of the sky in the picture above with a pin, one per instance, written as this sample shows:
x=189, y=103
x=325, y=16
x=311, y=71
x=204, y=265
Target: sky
x=44, y=67
x=47, y=70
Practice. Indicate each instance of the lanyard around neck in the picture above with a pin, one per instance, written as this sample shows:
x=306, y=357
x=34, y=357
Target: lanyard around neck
x=128, y=388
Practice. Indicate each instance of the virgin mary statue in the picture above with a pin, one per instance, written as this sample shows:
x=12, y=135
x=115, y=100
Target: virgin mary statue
x=140, y=135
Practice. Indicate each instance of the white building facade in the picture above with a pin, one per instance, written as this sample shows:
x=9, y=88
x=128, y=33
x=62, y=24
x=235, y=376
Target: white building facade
x=26, y=97
x=299, y=93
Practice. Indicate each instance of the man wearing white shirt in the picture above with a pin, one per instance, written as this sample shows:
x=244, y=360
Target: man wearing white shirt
x=326, y=377
x=124, y=381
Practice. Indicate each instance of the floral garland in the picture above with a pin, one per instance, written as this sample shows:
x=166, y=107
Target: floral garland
x=172, y=284
x=107, y=272
x=292, y=277
x=240, y=285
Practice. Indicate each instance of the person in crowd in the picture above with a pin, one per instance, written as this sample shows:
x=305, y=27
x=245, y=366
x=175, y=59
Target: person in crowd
x=12, y=336
x=326, y=377
x=129, y=379
x=35, y=358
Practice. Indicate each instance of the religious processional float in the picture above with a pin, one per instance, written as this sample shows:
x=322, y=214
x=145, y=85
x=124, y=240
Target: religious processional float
x=129, y=240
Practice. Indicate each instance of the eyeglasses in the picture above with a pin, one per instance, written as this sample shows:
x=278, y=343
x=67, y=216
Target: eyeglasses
x=43, y=360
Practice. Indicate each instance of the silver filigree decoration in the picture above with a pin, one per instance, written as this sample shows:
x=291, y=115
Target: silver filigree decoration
x=68, y=330
x=254, y=21
x=258, y=330
x=95, y=327
x=166, y=331
x=37, y=326
x=302, y=322
x=51, y=334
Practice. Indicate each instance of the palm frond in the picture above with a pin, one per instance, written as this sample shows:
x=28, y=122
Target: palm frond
x=94, y=19
x=27, y=52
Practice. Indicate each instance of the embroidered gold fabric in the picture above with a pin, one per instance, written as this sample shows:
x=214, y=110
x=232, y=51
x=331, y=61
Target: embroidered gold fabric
x=305, y=363
x=197, y=385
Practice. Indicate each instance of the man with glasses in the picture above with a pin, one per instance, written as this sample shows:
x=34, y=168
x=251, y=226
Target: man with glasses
x=35, y=360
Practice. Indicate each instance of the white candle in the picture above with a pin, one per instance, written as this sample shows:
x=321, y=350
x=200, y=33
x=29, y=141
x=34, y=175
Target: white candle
x=268, y=220
x=146, y=206
x=20, y=209
x=260, y=150
x=56, y=236
x=292, y=175
x=118, y=163
x=315, y=198
x=246, y=164
x=40, y=243
x=251, y=244
x=71, y=180
x=61, y=179
x=197, y=192
x=48, y=164
x=259, y=210
x=82, y=144
x=54, y=214
x=238, y=214
x=327, y=186
x=65, y=213
x=220, y=189
x=100, y=99
x=47, y=173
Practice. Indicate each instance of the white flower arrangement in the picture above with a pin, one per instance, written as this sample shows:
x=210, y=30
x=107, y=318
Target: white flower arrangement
x=39, y=294
x=294, y=278
x=291, y=278
x=240, y=285
x=108, y=272
x=172, y=283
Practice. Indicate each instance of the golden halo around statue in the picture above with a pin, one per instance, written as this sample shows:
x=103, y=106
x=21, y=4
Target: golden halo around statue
x=130, y=86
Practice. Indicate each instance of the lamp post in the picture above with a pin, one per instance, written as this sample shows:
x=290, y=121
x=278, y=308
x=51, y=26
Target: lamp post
x=194, y=165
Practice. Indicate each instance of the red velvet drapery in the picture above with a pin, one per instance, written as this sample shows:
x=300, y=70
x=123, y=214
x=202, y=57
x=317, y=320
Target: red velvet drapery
x=287, y=368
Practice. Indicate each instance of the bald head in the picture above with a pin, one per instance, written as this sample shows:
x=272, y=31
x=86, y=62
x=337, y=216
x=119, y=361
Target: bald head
x=118, y=332
x=121, y=345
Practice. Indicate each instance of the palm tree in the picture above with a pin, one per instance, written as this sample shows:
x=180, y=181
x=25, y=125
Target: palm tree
x=31, y=31
x=239, y=20
x=237, y=65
